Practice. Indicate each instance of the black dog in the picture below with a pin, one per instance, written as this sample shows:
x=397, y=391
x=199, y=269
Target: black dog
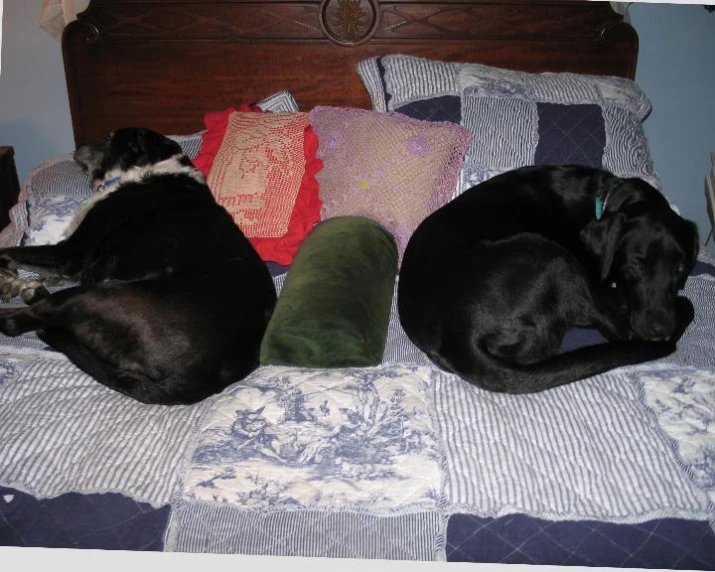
x=490, y=283
x=172, y=300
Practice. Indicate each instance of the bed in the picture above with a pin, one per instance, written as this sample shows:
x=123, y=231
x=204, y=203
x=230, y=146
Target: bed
x=363, y=449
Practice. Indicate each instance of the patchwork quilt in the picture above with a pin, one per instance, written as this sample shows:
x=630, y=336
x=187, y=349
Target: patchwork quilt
x=398, y=461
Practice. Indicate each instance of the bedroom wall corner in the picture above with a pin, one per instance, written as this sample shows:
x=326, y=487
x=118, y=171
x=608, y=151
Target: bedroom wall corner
x=34, y=109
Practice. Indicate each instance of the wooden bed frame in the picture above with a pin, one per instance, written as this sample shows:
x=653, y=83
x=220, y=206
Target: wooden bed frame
x=163, y=64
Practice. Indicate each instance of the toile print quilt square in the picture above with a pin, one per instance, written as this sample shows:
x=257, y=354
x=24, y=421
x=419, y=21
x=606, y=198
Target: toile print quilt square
x=346, y=439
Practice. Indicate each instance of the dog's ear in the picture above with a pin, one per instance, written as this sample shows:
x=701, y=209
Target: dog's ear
x=136, y=142
x=158, y=146
x=601, y=238
x=154, y=146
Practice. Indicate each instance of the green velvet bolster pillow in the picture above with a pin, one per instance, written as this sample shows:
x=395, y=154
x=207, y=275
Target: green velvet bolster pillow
x=334, y=307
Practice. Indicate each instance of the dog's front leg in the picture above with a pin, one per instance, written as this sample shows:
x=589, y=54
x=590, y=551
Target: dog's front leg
x=50, y=257
x=612, y=306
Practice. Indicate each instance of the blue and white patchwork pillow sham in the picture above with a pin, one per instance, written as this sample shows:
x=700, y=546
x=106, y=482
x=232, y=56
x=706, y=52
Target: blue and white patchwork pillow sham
x=518, y=118
x=55, y=189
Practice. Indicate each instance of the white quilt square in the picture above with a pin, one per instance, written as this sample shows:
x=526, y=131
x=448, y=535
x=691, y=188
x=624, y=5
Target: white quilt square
x=358, y=439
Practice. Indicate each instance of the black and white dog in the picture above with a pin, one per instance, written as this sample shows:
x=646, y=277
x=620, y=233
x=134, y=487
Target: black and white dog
x=172, y=299
x=490, y=283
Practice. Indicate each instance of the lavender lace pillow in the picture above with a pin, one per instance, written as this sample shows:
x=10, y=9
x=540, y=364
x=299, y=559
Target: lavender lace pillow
x=388, y=167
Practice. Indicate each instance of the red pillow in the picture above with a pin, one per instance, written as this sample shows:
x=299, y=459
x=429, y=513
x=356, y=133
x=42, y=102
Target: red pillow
x=262, y=170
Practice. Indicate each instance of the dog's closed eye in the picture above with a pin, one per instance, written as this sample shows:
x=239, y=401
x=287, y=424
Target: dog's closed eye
x=637, y=261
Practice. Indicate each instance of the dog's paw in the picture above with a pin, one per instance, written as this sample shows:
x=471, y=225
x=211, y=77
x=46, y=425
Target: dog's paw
x=10, y=284
x=33, y=291
x=11, y=287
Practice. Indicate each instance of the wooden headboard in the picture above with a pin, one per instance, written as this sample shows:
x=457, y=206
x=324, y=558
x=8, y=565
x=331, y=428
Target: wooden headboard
x=163, y=63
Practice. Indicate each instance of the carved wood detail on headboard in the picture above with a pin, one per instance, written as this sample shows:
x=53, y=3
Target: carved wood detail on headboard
x=164, y=63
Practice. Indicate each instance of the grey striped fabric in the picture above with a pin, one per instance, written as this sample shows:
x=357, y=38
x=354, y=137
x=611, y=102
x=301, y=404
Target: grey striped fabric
x=566, y=88
x=399, y=349
x=500, y=142
x=695, y=348
x=369, y=72
x=407, y=79
x=62, y=431
x=626, y=152
x=87, y=438
x=222, y=529
x=590, y=450
x=279, y=101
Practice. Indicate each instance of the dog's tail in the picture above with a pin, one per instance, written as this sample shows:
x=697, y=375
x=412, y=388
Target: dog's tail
x=478, y=366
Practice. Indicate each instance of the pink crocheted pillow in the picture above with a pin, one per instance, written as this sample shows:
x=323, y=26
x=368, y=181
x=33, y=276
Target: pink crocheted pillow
x=386, y=166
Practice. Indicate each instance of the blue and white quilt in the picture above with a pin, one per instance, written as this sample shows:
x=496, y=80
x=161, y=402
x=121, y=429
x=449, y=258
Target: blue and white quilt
x=400, y=461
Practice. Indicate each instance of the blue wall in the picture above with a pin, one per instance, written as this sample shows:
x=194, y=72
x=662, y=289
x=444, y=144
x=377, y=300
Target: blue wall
x=34, y=109
x=676, y=69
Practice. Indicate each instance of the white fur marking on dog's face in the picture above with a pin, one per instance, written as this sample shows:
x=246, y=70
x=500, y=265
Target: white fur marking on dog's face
x=170, y=166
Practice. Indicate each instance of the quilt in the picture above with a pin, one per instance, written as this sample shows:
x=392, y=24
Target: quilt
x=398, y=461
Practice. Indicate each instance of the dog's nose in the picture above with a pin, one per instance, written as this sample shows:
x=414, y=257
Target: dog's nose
x=658, y=330
x=655, y=325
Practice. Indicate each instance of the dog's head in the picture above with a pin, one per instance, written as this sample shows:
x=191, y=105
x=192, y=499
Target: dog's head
x=647, y=249
x=129, y=152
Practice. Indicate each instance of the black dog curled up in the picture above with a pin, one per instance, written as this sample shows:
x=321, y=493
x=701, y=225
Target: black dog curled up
x=172, y=299
x=491, y=282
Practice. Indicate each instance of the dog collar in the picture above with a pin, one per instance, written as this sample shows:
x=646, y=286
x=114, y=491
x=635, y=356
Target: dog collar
x=602, y=201
x=601, y=206
x=104, y=185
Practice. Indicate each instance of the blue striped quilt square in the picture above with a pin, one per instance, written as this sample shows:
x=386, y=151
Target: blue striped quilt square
x=591, y=449
x=505, y=133
x=223, y=528
x=64, y=432
x=695, y=347
x=397, y=80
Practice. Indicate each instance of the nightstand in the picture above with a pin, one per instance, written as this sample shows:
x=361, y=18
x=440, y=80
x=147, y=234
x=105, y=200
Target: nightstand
x=9, y=184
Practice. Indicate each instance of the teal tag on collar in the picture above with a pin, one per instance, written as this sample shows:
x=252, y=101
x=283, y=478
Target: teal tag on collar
x=599, y=208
